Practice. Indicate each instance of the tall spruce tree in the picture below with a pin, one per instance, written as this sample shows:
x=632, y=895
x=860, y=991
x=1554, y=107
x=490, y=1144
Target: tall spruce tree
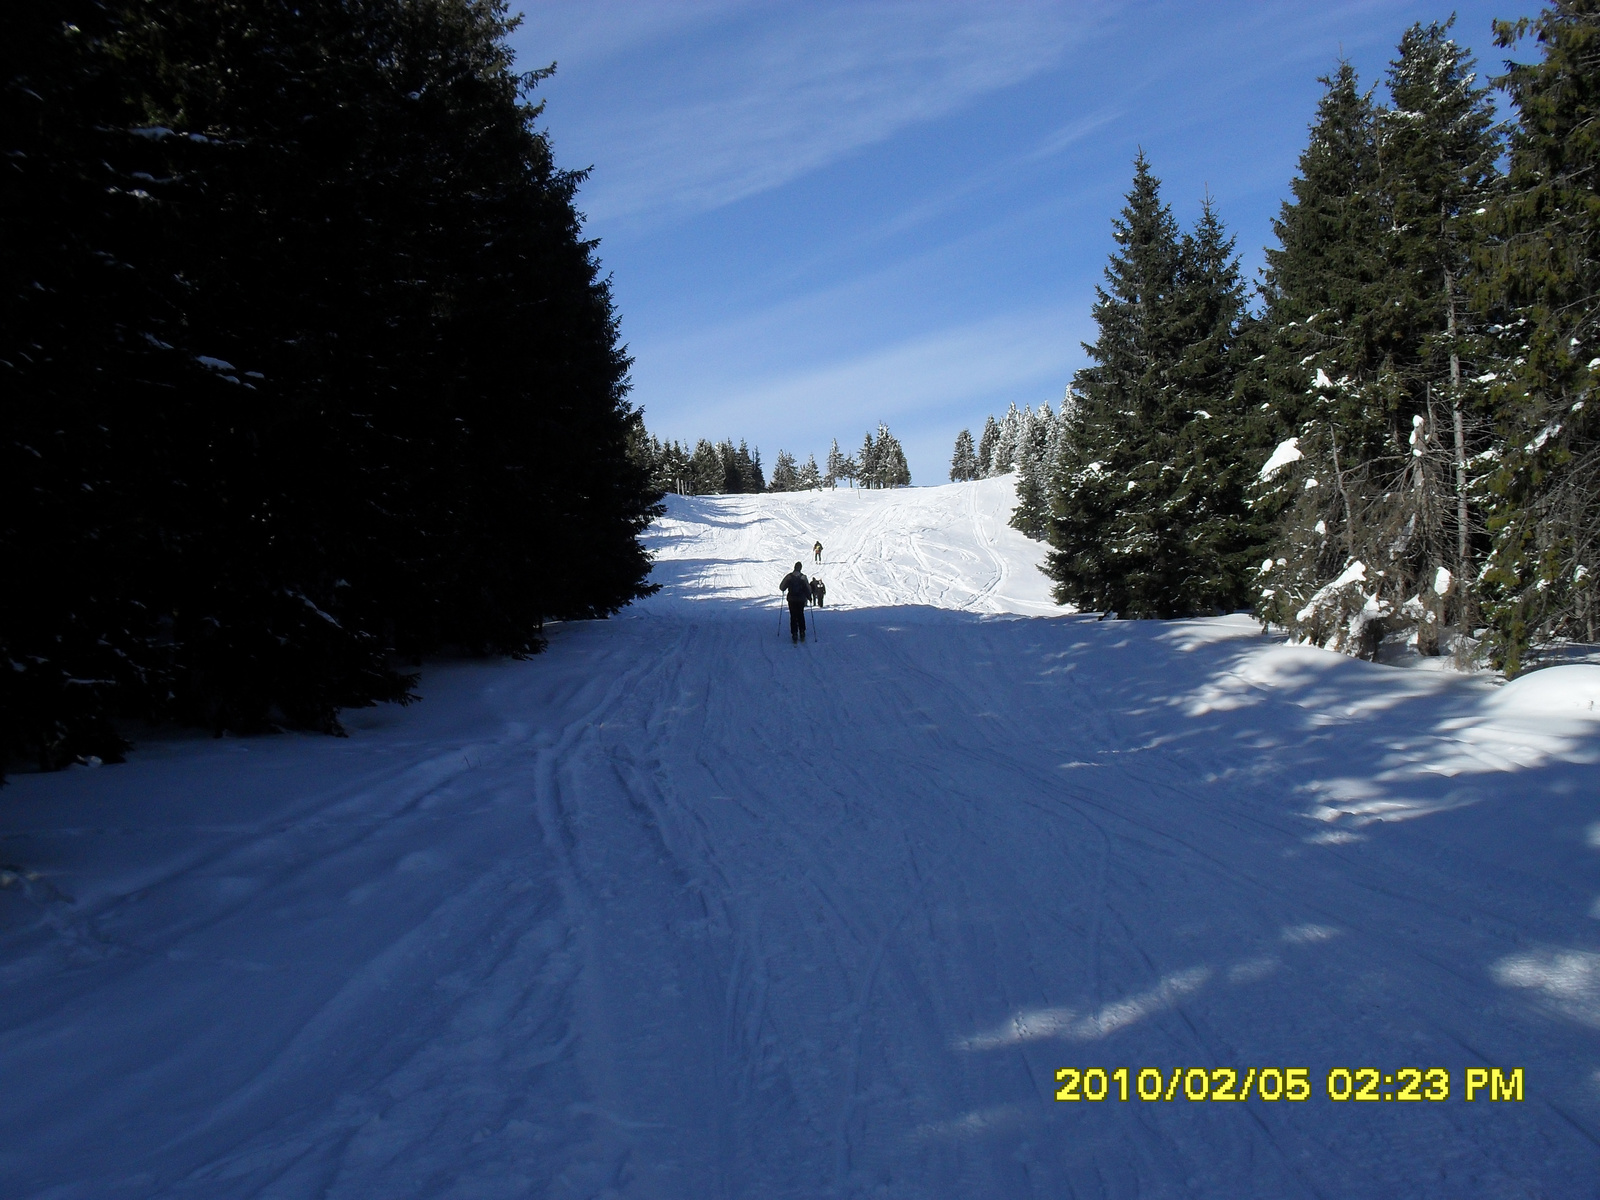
x=1439, y=150
x=1322, y=284
x=1212, y=432
x=1032, y=512
x=785, y=473
x=1114, y=544
x=986, y=444
x=964, y=460
x=1545, y=269
x=890, y=460
x=836, y=469
x=1003, y=456
x=868, y=464
x=1365, y=304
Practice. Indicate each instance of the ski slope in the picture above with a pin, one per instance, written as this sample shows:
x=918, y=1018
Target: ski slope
x=681, y=910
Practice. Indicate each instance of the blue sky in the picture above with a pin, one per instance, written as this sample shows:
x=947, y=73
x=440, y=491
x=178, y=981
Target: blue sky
x=822, y=215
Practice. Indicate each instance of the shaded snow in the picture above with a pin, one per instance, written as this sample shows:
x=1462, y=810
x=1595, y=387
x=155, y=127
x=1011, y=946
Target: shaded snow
x=678, y=909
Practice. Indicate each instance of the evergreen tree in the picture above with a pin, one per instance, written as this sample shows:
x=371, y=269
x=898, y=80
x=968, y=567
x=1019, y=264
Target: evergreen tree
x=785, y=474
x=964, y=462
x=1317, y=343
x=890, y=461
x=741, y=472
x=808, y=477
x=836, y=465
x=1543, y=268
x=1389, y=415
x=986, y=444
x=1003, y=455
x=1112, y=532
x=670, y=467
x=868, y=468
x=1032, y=513
x=707, y=475
x=1209, y=498
x=307, y=361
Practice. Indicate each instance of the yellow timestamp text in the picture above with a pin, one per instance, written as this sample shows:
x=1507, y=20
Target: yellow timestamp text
x=1292, y=1084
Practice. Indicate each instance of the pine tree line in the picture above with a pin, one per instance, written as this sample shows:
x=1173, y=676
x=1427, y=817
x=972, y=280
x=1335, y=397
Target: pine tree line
x=308, y=367
x=1400, y=441
x=721, y=468
x=1027, y=441
x=710, y=469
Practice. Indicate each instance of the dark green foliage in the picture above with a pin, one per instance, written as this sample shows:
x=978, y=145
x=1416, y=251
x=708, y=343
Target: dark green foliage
x=714, y=468
x=1215, y=436
x=1147, y=493
x=1032, y=513
x=785, y=474
x=838, y=466
x=1323, y=281
x=987, y=441
x=964, y=462
x=1113, y=549
x=881, y=462
x=306, y=360
x=745, y=470
x=1544, y=268
x=1372, y=352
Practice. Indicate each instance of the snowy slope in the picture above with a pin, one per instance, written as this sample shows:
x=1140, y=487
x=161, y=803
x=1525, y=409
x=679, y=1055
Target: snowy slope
x=681, y=910
x=945, y=547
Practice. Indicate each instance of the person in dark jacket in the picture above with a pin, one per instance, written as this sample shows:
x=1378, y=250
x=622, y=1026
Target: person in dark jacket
x=799, y=589
x=819, y=591
x=816, y=552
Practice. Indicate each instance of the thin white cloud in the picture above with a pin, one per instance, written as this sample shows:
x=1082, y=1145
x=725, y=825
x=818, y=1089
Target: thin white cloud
x=1072, y=133
x=761, y=95
x=594, y=31
x=926, y=372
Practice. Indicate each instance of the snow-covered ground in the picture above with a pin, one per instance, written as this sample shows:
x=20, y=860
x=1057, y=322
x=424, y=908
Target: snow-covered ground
x=680, y=910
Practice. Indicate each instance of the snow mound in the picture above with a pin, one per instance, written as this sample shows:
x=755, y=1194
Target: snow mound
x=1572, y=690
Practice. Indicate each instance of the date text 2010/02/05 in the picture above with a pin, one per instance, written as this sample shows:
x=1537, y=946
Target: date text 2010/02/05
x=1287, y=1083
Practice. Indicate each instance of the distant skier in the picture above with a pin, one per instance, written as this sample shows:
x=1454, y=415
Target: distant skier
x=799, y=589
x=819, y=591
x=816, y=552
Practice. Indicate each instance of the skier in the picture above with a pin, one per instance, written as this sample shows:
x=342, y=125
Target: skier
x=819, y=591
x=816, y=552
x=799, y=589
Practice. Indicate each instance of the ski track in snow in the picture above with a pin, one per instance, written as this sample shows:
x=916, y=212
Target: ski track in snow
x=678, y=909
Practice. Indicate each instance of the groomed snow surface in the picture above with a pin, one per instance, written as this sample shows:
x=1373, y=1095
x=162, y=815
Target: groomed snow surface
x=681, y=910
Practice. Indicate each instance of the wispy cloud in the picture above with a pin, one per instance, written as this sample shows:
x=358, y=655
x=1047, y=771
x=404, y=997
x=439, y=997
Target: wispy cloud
x=922, y=373
x=1072, y=133
x=762, y=94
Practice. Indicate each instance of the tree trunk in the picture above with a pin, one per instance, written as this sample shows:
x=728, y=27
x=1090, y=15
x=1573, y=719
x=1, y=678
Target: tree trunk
x=1433, y=603
x=1344, y=497
x=1465, y=586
